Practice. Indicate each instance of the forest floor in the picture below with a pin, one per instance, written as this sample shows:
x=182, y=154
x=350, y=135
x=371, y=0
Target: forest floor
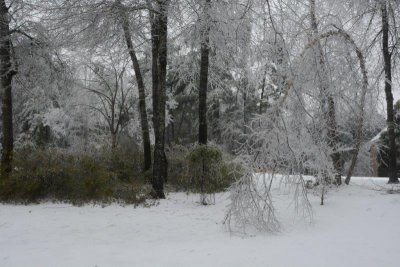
x=358, y=226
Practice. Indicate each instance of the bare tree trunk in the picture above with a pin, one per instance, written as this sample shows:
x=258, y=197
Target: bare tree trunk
x=204, y=66
x=215, y=118
x=262, y=91
x=387, y=57
x=6, y=73
x=113, y=141
x=141, y=88
x=360, y=120
x=159, y=24
x=327, y=97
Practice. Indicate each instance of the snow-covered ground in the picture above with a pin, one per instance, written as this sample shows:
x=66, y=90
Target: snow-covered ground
x=358, y=226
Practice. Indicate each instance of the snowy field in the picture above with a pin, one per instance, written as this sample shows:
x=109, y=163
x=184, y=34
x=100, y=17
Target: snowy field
x=358, y=226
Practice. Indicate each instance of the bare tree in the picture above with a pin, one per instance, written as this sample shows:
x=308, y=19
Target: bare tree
x=328, y=102
x=95, y=23
x=113, y=94
x=141, y=88
x=361, y=104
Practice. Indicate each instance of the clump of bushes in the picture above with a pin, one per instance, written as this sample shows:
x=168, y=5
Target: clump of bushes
x=103, y=176
x=201, y=169
x=61, y=176
x=207, y=169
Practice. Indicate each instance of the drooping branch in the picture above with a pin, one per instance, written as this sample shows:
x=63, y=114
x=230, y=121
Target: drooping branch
x=360, y=121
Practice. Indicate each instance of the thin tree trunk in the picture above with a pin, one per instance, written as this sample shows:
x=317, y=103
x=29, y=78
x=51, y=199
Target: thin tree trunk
x=204, y=66
x=113, y=141
x=216, y=127
x=6, y=76
x=360, y=124
x=159, y=24
x=141, y=88
x=326, y=96
x=389, y=96
x=263, y=91
x=363, y=68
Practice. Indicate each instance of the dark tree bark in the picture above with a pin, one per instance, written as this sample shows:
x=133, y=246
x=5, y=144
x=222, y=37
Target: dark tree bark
x=141, y=88
x=6, y=76
x=215, y=120
x=113, y=141
x=262, y=92
x=204, y=66
x=159, y=34
x=387, y=57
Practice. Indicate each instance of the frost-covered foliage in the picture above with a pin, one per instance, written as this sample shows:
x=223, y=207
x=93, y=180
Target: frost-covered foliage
x=294, y=87
x=41, y=92
x=272, y=146
x=320, y=79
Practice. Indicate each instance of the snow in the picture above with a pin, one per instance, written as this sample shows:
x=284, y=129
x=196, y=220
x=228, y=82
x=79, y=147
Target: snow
x=358, y=226
x=377, y=137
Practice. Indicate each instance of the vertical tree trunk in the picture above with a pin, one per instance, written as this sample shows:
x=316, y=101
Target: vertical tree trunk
x=6, y=75
x=389, y=96
x=204, y=66
x=159, y=34
x=203, y=84
x=262, y=92
x=215, y=118
x=141, y=88
x=327, y=98
x=113, y=141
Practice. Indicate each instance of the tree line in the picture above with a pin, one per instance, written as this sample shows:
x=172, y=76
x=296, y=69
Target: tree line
x=251, y=76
